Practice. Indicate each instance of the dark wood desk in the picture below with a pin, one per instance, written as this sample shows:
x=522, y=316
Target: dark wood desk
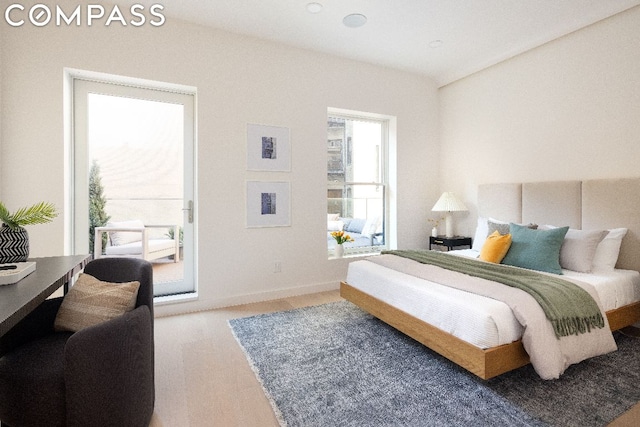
x=19, y=299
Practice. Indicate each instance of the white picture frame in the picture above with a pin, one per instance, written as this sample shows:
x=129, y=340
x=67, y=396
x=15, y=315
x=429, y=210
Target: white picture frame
x=268, y=148
x=268, y=204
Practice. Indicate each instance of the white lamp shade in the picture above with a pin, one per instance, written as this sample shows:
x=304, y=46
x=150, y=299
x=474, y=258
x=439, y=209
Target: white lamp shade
x=448, y=202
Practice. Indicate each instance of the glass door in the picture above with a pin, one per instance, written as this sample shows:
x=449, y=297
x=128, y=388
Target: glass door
x=134, y=170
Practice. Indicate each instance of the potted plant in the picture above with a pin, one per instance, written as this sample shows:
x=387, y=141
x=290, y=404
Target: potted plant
x=14, y=239
x=340, y=237
x=170, y=234
x=434, y=225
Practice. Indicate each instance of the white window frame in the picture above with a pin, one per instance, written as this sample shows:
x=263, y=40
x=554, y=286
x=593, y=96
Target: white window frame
x=387, y=174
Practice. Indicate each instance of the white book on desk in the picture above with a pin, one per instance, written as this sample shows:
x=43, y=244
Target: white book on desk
x=22, y=270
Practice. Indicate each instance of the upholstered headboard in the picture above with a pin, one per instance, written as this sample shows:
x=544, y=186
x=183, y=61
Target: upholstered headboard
x=587, y=205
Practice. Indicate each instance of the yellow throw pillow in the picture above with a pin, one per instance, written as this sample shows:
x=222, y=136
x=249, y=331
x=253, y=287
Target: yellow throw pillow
x=91, y=301
x=495, y=247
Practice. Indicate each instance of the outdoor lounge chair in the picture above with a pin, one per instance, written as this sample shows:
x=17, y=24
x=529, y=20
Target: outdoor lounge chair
x=132, y=239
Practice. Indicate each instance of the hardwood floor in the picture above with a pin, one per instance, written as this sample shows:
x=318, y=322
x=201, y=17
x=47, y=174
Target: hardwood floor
x=203, y=378
x=202, y=375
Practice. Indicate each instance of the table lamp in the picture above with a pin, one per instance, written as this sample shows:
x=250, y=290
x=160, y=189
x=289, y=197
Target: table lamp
x=448, y=203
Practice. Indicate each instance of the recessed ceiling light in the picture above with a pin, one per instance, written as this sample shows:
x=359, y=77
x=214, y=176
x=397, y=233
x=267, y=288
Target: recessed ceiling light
x=436, y=43
x=314, y=7
x=354, y=20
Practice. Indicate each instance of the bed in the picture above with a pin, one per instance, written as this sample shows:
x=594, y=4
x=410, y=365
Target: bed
x=399, y=298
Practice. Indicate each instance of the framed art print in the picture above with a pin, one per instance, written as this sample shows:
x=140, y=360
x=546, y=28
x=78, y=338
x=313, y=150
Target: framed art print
x=268, y=148
x=268, y=204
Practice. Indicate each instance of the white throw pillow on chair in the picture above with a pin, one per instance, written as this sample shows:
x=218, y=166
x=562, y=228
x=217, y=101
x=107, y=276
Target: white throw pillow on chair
x=123, y=237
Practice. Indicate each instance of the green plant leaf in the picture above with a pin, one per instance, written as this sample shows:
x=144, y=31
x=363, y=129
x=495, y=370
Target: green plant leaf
x=39, y=213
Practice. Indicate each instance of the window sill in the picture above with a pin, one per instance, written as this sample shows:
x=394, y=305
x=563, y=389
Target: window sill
x=359, y=254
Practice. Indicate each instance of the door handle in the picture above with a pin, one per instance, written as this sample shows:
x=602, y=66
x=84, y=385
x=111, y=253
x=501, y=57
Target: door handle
x=189, y=208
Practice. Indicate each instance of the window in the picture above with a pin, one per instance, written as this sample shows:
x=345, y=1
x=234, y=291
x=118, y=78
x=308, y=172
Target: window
x=357, y=181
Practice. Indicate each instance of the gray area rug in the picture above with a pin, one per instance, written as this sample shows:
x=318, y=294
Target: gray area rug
x=335, y=365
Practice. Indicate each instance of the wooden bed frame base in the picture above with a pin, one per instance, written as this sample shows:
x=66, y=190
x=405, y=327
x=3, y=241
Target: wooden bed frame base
x=485, y=363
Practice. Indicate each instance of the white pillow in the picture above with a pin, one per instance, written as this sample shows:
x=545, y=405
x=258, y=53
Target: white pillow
x=608, y=249
x=579, y=248
x=335, y=226
x=371, y=226
x=575, y=253
x=482, y=230
x=333, y=217
x=123, y=237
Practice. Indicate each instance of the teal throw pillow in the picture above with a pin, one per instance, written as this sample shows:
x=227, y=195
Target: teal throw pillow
x=535, y=249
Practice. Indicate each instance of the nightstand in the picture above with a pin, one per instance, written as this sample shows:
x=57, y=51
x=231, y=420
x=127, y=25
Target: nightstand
x=449, y=242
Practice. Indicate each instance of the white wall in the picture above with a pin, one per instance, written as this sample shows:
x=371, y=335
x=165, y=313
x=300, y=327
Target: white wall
x=240, y=80
x=1, y=91
x=567, y=110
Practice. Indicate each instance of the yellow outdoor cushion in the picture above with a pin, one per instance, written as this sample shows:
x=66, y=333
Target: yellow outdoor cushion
x=495, y=247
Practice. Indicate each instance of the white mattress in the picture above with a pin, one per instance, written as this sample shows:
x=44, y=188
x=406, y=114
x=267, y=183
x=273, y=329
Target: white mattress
x=481, y=321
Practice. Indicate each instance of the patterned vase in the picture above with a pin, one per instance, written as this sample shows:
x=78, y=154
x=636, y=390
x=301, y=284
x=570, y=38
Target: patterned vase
x=14, y=244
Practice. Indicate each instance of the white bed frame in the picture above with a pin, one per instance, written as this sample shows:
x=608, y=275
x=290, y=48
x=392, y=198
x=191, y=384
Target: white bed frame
x=595, y=204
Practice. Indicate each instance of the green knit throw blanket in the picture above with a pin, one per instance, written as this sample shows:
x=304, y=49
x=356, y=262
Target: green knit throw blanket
x=569, y=308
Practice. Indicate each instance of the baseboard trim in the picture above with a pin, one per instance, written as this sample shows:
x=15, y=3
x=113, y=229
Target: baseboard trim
x=191, y=305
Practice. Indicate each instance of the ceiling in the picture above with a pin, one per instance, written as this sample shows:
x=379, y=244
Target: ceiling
x=474, y=34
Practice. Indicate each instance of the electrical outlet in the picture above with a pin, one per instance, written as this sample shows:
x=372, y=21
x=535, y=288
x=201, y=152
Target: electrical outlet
x=277, y=267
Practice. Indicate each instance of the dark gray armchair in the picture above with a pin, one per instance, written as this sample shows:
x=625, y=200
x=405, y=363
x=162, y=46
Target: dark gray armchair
x=102, y=375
